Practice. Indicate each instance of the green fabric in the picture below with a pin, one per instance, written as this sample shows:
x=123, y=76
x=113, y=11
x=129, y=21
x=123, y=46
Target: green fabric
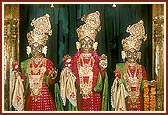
x=46, y=80
x=24, y=65
x=71, y=107
x=120, y=66
x=99, y=84
x=58, y=101
x=105, y=96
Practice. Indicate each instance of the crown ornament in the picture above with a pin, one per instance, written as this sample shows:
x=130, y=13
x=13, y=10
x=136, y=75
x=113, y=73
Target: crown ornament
x=42, y=29
x=137, y=34
x=91, y=26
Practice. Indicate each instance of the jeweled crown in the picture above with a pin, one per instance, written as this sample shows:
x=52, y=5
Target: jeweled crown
x=42, y=29
x=91, y=26
x=137, y=32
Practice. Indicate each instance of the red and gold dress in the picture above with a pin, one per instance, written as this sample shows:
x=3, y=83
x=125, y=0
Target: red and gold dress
x=38, y=96
x=86, y=70
x=130, y=87
x=134, y=79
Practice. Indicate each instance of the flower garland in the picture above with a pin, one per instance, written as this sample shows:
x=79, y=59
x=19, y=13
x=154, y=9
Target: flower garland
x=149, y=96
x=152, y=97
x=146, y=96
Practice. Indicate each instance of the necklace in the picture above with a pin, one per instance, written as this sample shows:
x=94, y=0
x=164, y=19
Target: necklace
x=40, y=66
x=85, y=70
x=86, y=55
x=133, y=82
x=132, y=66
x=37, y=60
x=36, y=75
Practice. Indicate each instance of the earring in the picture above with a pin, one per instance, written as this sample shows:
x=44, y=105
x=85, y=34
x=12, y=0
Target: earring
x=78, y=46
x=95, y=45
x=44, y=50
x=28, y=49
x=123, y=54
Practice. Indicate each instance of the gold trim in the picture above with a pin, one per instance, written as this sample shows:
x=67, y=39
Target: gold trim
x=11, y=48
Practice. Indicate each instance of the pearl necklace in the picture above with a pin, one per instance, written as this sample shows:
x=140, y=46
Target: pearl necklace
x=86, y=55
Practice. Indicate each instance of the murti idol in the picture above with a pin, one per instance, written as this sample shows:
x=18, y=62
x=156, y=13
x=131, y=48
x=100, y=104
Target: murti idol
x=86, y=70
x=38, y=72
x=127, y=88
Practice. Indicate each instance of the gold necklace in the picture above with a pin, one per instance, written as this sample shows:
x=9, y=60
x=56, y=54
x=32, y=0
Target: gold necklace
x=85, y=70
x=133, y=81
x=130, y=74
x=34, y=69
x=35, y=79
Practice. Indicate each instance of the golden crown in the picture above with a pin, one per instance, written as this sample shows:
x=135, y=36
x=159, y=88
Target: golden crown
x=137, y=32
x=91, y=26
x=42, y=29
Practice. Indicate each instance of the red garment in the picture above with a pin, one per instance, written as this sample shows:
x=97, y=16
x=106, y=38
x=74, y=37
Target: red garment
x=90, y=104
x=138, y=105
x=139, y=102
x=93, y=103
x=44, y=102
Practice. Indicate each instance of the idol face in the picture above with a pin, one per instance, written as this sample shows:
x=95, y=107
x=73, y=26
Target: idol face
x=132, y=55
x=36, y=49
x=86, y=44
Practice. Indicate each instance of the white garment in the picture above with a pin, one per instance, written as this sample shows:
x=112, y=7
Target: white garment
x=67, y=86
x=118, y=95
x=63, y=80
x=18, y=97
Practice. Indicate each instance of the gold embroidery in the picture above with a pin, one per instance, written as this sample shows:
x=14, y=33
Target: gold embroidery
x=85, y=70
x=133, y=82
x=36, y=79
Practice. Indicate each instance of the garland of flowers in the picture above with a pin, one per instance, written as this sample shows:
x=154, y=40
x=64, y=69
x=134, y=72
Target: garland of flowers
x=152, y=97
x=149, y=96
x=146, y=96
